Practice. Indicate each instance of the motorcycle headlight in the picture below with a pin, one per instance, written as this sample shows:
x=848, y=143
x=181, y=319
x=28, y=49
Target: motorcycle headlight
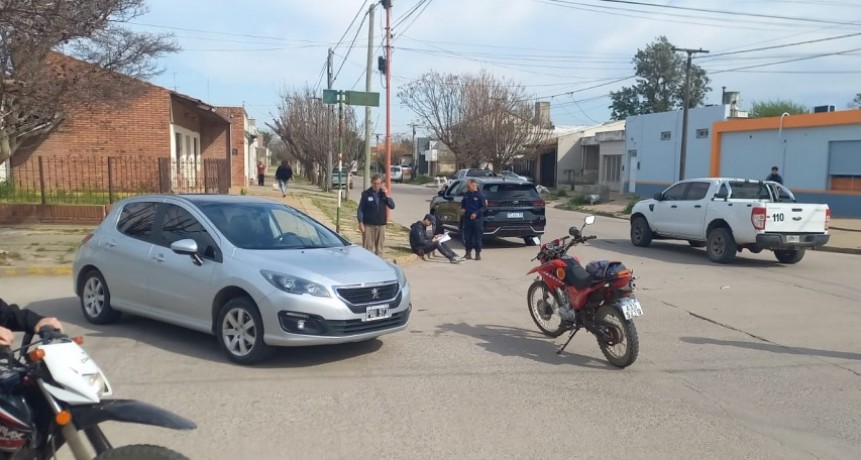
x=294, y=284
x=97, y=381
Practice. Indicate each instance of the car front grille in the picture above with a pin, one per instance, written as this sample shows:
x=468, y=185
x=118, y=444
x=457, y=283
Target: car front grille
x=340, y=328
x=368, y=295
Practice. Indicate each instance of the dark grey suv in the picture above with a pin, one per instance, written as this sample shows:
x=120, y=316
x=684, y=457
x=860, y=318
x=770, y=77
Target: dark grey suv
x=515, y=209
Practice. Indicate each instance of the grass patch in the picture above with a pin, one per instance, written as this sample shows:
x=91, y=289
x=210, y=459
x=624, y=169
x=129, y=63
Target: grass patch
x=7, y=257
x=576, y=202
x=350, y=227
x=421, y=180
x=631, y=202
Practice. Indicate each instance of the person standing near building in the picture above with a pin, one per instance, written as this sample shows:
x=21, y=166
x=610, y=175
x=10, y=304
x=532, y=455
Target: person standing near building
x=261, y=172
x=372, y=215
x=774, y=176
x=473, y=207
x=283, y=174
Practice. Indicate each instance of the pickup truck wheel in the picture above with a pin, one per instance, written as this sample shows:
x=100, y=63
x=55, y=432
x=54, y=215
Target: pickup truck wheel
x=696, y=244
x=641, y=234
x=721, y=245
x=789, y=256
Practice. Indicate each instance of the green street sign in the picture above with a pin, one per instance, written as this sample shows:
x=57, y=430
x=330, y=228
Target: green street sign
x=362, y=98
x=330, y=96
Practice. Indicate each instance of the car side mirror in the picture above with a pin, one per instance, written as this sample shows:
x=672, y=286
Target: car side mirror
x=589, y=220
x=659, y=196
x=440, y=193
x=187, y=247
x=721, y=196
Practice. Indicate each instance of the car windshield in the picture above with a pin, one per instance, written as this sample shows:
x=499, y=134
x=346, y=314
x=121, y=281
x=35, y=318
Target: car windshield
x=749, y=191
x=269, y=226
x=508, y=192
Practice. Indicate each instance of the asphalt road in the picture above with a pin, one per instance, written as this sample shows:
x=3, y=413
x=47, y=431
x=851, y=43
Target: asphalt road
x=750, y=360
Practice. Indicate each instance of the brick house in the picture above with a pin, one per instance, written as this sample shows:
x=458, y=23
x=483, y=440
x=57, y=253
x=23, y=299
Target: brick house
x=158, y=141
x=244, y=144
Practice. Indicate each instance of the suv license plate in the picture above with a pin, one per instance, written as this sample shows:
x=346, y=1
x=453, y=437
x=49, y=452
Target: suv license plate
x=377, y=312
x=793, y=239
x=631, y=308
x=515, y=215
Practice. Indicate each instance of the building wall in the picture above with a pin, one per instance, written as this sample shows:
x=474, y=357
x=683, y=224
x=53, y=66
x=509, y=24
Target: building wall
x=237, y=145
x=570, y=157
x=657, y=159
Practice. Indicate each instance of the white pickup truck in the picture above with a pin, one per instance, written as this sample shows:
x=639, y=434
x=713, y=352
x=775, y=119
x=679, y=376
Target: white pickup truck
x=727, y=215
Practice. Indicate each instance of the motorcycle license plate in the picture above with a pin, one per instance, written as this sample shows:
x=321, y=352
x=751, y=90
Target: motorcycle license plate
x=631, y=308
x=377, y=312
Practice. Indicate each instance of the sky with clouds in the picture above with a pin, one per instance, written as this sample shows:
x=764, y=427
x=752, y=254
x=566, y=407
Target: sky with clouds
x=568, y=52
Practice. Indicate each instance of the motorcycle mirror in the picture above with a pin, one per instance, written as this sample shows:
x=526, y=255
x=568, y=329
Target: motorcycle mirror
x=590, y=220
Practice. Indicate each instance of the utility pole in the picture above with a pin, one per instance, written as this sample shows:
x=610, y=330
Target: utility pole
x=387, y=4
x=682, y=157
x=328, y=174
x=415, y=152
x=366, y=175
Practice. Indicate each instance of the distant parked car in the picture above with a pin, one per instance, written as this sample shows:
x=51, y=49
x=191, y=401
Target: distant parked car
x=514, y=208
x=511, y=175
x=473, y=172
x=253, y=272
x=341, y=178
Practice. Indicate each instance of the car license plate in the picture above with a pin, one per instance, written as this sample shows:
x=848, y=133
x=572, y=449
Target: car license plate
x=377, y=312
x=631, y=308
x=515, y=215
x=793, y=239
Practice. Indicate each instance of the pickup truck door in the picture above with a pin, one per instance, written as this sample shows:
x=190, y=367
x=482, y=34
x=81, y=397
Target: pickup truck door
x=667, y=217
x=692, y=211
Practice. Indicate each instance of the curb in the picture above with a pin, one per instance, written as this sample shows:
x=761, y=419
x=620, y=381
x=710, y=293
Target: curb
x=844, y=229
x=854, y=251
x=59, y=270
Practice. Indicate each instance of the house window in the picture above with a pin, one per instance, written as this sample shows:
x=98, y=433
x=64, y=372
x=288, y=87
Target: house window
x=702, y=133
x=846, y=183
x=612, y=168
x=665, y=136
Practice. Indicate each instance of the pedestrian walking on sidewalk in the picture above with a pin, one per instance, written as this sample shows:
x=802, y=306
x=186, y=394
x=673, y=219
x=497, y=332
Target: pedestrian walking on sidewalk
x=372, y=215
x=473, y=206
x=283, y=174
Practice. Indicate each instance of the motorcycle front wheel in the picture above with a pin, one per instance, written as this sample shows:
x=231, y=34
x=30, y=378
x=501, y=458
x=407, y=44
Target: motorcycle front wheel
x=141, y=452
x=622, y=346
x=542, y=303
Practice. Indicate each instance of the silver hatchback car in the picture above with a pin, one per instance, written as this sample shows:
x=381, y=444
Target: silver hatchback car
x=253, y=272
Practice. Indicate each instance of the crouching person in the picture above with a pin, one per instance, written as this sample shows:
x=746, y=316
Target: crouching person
x=422, y=245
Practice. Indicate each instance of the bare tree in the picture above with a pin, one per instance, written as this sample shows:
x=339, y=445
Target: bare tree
x=39, y=86
x=479, y=117
x=302, y=125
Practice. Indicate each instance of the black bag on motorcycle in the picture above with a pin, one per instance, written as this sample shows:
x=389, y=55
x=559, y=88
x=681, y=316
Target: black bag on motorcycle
x=575, y=274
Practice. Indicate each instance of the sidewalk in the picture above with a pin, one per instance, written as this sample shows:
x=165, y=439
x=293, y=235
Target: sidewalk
x=845, y=233
x=48, y=250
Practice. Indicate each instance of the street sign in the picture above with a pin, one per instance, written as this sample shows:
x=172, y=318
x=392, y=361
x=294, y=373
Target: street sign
x=330, y=96
x=362, y=98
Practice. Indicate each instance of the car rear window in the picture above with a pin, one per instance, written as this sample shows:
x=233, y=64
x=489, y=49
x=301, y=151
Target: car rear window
x=504, y=192
x=749, y=191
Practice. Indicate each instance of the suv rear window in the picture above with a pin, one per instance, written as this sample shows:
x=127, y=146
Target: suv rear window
x=507, y=192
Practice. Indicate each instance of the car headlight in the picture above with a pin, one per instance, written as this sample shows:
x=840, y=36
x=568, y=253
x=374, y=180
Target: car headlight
x=294, y=284
x=402, y=277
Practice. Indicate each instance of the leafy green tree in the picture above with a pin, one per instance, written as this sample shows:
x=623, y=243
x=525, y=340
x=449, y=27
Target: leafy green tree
x=775, y=108
x=660, y=85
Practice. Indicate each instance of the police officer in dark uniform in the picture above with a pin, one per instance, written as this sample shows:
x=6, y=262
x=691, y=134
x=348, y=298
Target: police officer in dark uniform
x=13, y=319
x=473, y=206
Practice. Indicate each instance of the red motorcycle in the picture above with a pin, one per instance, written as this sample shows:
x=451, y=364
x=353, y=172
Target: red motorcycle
x=599, y=298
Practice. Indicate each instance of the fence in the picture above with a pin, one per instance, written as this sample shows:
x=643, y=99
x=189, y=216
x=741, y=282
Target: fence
x=103, y=180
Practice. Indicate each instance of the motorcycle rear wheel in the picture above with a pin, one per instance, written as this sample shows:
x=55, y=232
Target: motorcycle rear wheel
x=624, y=346
x=141, y=452
x=541, y=309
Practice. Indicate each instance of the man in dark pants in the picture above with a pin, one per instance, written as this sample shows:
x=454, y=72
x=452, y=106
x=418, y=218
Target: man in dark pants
x=13, y=319
x=372, y=215
x=473, y=206
x=422, y=245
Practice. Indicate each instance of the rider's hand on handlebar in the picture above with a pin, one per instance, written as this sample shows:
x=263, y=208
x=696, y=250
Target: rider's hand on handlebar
x=49, y=322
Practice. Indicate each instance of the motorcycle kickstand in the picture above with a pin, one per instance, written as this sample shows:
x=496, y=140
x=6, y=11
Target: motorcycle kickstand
x=562, y=348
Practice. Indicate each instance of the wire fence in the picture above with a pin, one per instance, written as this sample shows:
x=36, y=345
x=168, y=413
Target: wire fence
x=103, y=180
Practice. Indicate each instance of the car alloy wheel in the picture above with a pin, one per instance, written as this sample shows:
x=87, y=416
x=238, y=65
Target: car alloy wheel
x=94, y=296
x=240, y=332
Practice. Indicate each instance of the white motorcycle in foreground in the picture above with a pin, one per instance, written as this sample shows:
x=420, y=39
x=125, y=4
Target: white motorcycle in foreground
x=53, y=394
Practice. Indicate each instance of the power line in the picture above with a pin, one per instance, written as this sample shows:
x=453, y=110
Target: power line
x=787, y=45
x=836, y=53
x=361, y=9
x=347, y=54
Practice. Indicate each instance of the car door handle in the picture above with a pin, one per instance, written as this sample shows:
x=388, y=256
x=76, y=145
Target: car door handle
x=674, y=206
x=158, y=258
x=698, y=206
x=111, y=243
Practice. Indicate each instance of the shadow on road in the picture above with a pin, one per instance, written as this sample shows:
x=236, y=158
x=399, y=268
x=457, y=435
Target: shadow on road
x=676, y=252
x=195, y=344
x=773, y=348
x=512, y=341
